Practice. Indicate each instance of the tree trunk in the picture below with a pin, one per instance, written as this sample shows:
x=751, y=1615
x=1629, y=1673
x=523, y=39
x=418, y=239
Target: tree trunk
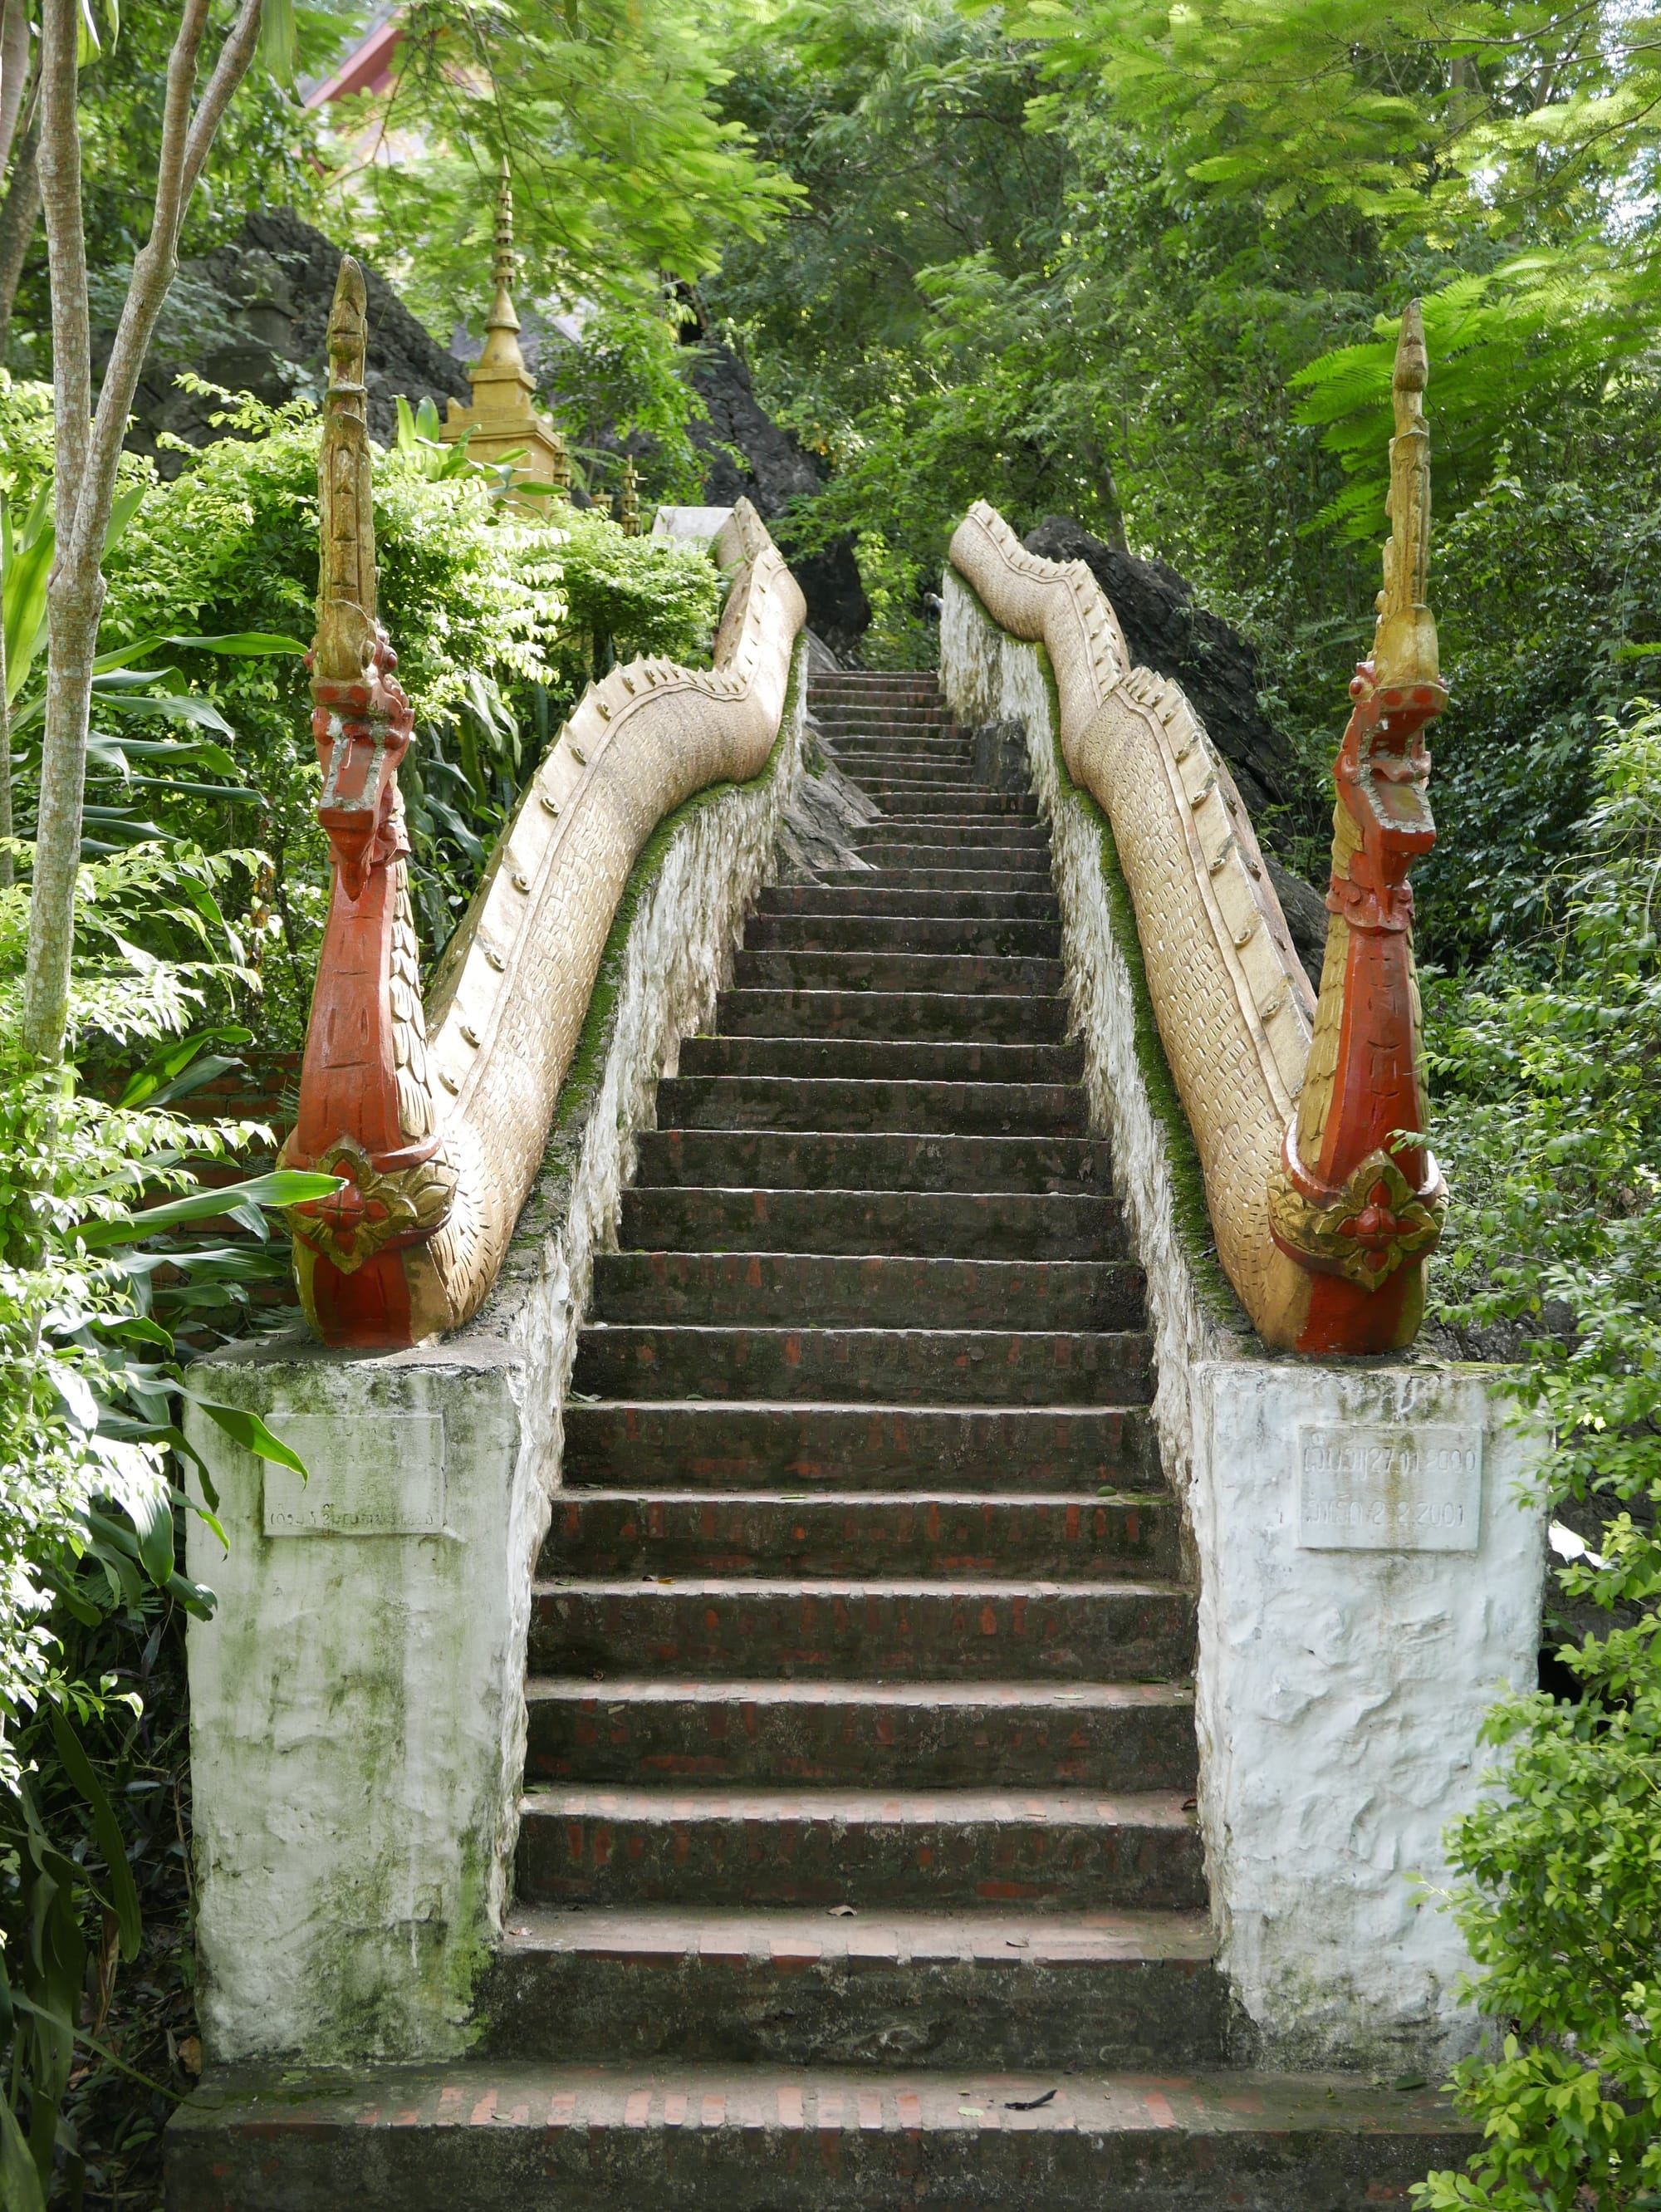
x=88, y=448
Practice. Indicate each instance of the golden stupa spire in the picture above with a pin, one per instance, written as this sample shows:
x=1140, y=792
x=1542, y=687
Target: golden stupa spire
x=501, y=418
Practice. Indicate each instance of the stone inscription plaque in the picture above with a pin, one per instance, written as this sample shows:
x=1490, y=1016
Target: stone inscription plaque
x=371, y=1474
x=1365, y=1487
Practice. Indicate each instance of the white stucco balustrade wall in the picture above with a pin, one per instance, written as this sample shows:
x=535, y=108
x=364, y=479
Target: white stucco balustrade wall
x=358, y=1716
x=1369, y=1564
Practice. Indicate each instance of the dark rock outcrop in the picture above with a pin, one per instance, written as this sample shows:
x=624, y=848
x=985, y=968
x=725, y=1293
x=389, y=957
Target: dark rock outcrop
x=262, y=300
x=776, y=468
x=1166, y=632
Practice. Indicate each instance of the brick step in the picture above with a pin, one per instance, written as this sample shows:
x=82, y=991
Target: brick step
x=1094, y=1736
x=793, y=1987
x=615, y=1533
x=962, y=973
x=879, y=1366
x=698, y=1444
x=818, y=900
x=494, y=2136
x=939, y=1848
x=864, y=1630
x=983, y=1017
x=1024, y=882
x=965, y=936
x=999, y=1226
x=876, y=1161
x=830, y=1104
x=552, y=2138
x=815, y=1290
x=873, y=1059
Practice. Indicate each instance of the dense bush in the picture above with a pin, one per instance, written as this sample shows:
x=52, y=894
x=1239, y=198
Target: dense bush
x=1550, y=1117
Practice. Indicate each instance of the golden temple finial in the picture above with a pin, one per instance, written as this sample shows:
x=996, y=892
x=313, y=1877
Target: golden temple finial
x=346, y=631
x=501, y=421
x=631, y=500
x=1404, y=644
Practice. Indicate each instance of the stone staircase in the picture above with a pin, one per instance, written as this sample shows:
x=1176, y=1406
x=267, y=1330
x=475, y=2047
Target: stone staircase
x=859, y=1863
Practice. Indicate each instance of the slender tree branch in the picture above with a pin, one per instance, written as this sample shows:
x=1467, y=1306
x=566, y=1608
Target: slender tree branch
x=89, y=449
x=14, y=71
x=17, y=216
x=185, y=145
x=59, y=162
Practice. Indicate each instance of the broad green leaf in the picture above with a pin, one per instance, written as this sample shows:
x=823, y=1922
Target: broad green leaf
x=251, y=1432
x=153, y=1516
x=283, y=1187
x=20, y=2184
x=176, y=707
x=123, y=1895
x=276, y=39
x=242, y=644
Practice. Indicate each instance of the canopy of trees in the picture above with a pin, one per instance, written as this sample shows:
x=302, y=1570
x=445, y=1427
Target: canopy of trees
x=1134, y=266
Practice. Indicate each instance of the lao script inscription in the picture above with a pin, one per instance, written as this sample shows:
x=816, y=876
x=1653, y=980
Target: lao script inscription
x=375, y=1474
x=1368, y=1488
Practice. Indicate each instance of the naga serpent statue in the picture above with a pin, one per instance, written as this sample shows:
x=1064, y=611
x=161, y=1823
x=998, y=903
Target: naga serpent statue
x=436, y=1116
x=1308, y=1114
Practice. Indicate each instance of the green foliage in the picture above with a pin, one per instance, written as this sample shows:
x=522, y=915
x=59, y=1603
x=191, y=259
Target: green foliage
x=265, y=155
x=94, y=1281
x=626, y=182
x=629, y=596
x=1550, y=1116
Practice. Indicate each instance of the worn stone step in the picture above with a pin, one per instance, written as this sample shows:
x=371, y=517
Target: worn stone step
x=491, y=2136
x=996, y=1225
x=862, y=1629
x=881, y=1366
x=894, y=711
x=859, y=753
x=902, y=797
x=936, y=768
x=981, y=882
x=831, y=1104
x=815, y=1290
x=941, y=1848
x=984, y=1018
x=962, y=973
x=871, y=1059
x=965, y=936
x=697, y=1443
x=684, y=2139
x=801, y=1988
x=950, y=833
x=846, y=900
x=615, y=1533
x=874, y=1160
x=1094, y=1736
